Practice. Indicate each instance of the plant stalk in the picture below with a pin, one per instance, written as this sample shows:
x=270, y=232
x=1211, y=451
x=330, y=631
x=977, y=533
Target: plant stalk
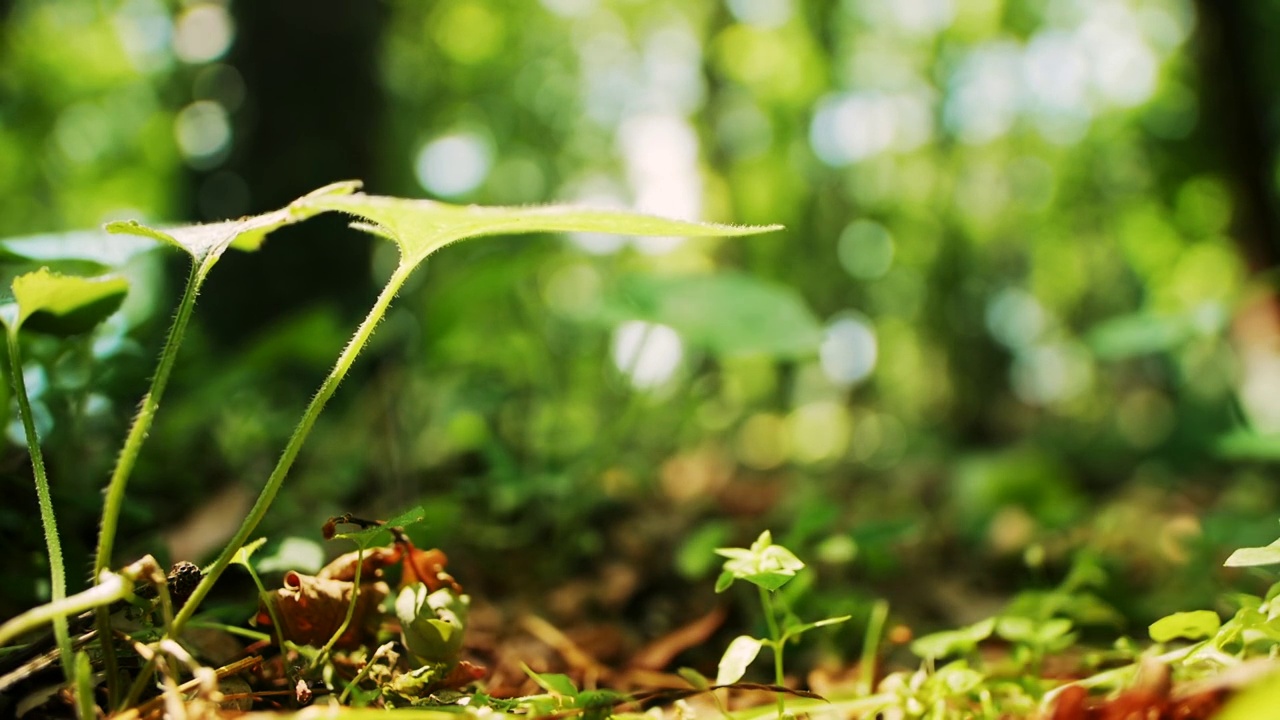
x=283, y=465
x=766, y=601
x=871, y=647
x=128, y=458
x=351, y=611
x=292, y=448
x=57, y=571
x=142, y=421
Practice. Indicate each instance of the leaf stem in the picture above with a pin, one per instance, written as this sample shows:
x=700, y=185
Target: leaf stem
x=766, y=600
x=351, y=611
x=142, y=421
x=128, y=458
x=292, y=448
x=57, y=571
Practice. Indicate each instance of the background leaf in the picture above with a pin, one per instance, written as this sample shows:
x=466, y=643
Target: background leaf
x=727, y=313
x=57, y=304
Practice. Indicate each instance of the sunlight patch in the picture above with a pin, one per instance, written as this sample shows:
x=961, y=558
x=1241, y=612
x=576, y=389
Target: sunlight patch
x=648, y=353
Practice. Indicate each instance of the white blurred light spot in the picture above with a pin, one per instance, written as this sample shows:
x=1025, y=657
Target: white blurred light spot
x=1056, y=69
x=1124, y=67
x=203, y=33
x=1051, y=373
x=922, y=17
x=851, y=127
x=661, y=153
x=673, y=70
x=647, y=352
x=848, y=352
x=145, y=31
x=203, y=131
x=762, y=13
x=570, y=8
x=1015, y=318
x=982, y=101
x=453, y=164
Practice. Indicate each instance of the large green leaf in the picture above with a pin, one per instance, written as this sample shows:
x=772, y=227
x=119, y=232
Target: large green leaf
x=420, y=227
x=49, y=302
x=725, y=313
x=209, y=241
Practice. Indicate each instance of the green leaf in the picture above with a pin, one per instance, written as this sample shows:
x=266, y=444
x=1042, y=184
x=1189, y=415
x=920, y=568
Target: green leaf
x=740, y=653
x=432, y=623
x=421, y=227
x=806, y=627
x=1246, y=444
x=725, y=581
x=1253, y=556
x=1147, y=333
x=209, y=241
x=765, y=564
x=694, y=678
x=1030, y=631
x=246, y=551
x=57, y=304
x=728, y=314
x=958, y=678
x=554, y=683
x=378, y=534
x=953, y=642
x=1259, y=700
x=1193, y=625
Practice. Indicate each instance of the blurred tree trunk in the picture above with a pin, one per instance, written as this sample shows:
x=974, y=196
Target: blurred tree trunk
x=1238, y=52
x=311, y=114
x=1240, y=99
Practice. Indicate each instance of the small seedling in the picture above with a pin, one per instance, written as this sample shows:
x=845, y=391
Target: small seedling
x=768, y=567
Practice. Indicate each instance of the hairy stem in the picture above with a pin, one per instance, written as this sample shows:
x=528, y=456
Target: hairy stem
x=292, y=448
x=128, y=458
x=57, y=572
x=142, y=421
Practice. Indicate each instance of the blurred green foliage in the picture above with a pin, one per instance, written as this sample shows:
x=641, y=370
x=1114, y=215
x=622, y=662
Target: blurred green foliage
x=997, y=331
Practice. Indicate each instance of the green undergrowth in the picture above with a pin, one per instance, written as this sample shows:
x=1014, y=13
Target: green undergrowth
x=54, y=295
x=367, y=646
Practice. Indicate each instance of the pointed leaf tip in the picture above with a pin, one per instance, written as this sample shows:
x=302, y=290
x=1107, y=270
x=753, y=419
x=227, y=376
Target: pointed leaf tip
x=342, y=187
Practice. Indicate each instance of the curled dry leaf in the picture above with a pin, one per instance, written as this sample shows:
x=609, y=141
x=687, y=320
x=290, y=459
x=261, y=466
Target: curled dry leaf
x=311, y=609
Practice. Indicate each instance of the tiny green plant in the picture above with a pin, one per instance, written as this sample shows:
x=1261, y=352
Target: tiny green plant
x=768, y=567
